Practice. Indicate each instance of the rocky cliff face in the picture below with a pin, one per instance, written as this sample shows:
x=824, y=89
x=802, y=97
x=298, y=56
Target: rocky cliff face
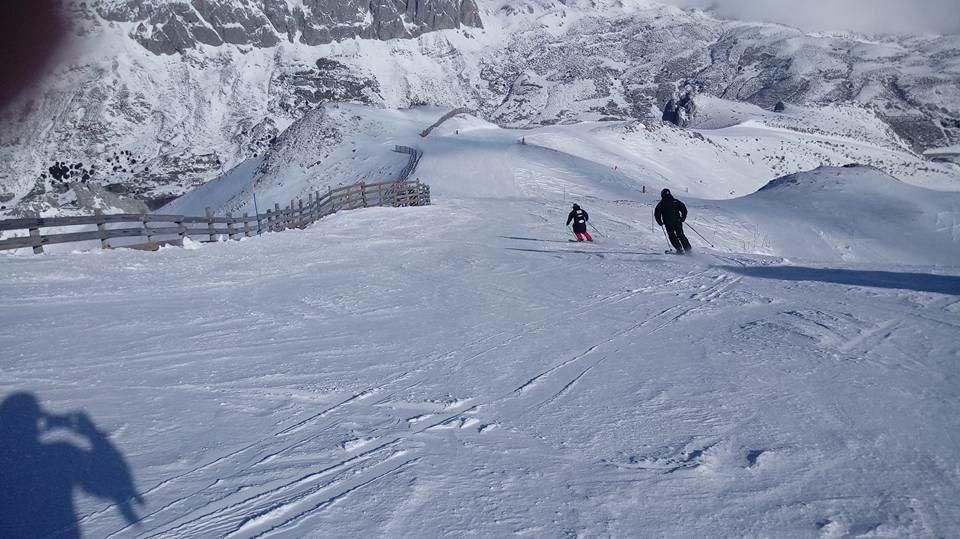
x=171, y=27
x=631, y=64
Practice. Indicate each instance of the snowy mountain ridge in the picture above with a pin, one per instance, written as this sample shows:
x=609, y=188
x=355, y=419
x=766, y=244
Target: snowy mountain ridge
x=164, y=27
x=138, y=113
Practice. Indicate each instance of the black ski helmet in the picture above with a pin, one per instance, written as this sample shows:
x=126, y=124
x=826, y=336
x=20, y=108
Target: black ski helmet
x=665, y=193
x=576, y=206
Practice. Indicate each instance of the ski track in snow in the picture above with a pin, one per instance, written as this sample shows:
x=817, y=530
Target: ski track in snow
x=277, y=483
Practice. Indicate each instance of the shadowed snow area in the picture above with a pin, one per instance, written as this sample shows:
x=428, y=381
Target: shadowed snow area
x=462, y=369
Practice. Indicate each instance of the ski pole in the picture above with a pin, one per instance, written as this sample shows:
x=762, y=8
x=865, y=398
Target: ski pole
x=665, y=236
x=701, y=236
x=595, y=229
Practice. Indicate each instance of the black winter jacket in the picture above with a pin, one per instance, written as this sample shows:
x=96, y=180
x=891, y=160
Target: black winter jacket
x=579, y=218
x=670, y=212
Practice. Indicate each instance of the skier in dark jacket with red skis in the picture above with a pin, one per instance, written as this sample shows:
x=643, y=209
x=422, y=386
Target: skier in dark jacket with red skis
x=671, y=213
x=579, y=217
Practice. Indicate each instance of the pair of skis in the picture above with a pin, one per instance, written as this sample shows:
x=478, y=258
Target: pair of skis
x=588, y=241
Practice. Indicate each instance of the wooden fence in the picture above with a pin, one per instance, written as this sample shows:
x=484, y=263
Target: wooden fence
x=426, y=132
x=412, y=162
x=172, y=229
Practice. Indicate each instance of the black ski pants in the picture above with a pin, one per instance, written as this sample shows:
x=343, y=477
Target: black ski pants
x=677, y=238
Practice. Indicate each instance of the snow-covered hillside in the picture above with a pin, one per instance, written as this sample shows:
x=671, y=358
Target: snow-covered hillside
x=859, y=212
x=740, y=150
x=151, y=126
x=462, y=369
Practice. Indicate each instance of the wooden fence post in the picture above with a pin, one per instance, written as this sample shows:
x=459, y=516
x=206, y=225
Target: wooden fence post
x=231, y=232
x=301, y=223
x=277, y=216
x=246, y=229
x=37, y=247
x=102, y=229
x=146, y=229
x=210, y=228
x=363, y=194
x=181, y=230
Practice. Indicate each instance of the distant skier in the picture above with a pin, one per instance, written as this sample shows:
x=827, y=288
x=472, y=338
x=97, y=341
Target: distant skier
x=579, y=217
x=671, y=213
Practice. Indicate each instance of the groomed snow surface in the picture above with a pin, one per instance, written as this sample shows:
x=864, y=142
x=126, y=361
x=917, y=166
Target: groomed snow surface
x=462, y=369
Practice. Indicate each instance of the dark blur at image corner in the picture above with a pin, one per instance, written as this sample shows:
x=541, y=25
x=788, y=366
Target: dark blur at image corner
x=31, y=34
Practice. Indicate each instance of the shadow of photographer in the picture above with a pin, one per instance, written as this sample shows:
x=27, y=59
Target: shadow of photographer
x=38, y=476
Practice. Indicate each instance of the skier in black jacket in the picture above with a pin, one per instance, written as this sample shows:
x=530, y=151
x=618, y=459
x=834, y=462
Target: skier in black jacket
x=671, y=213
x=579, y=217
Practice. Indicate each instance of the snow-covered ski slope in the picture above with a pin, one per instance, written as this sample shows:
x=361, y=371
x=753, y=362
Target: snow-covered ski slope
x=461, y=369
x=876, y=212
x=738, y=150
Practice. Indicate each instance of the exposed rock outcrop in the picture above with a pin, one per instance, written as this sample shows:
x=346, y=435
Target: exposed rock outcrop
x=169, y=27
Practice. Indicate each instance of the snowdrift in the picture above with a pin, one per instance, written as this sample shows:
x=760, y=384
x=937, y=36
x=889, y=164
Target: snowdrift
x=858, y=213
